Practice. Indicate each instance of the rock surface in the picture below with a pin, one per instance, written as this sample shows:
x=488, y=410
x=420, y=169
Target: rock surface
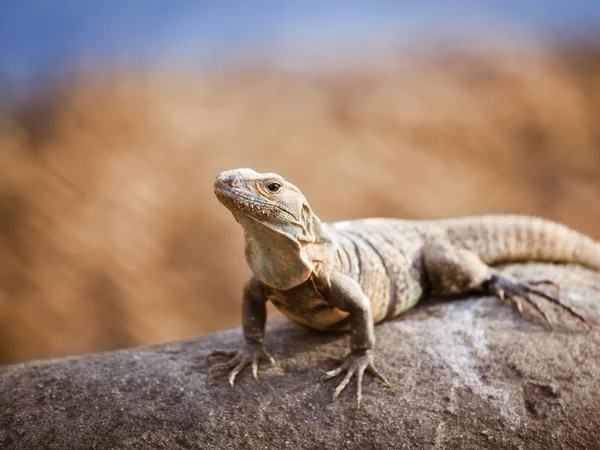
x=468, y=373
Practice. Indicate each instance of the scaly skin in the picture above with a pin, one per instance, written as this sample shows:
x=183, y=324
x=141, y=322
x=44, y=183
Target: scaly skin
x=350, y=275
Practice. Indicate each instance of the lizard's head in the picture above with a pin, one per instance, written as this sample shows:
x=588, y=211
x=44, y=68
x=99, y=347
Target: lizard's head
x=284, y=239
x=263, y=196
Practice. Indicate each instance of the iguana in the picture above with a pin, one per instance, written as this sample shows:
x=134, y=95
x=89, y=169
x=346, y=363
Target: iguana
x=353, y=274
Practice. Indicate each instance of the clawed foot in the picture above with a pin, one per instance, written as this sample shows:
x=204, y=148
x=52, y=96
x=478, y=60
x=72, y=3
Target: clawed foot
x=515, y=291
x=239, y=360
x=355, y=363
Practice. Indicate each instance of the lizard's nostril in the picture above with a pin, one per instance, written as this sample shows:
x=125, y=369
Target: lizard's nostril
x=229, y=180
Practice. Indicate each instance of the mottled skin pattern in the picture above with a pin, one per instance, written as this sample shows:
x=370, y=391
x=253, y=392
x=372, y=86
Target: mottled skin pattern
x=350, y=275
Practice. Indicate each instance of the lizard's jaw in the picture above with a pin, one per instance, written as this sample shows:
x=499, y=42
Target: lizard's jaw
x=239, y=201
x=244, y=203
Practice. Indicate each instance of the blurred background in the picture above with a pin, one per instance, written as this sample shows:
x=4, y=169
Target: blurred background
x=116, y=116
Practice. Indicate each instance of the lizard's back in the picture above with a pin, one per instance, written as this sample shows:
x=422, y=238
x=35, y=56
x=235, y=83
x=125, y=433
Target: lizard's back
x=385, y=255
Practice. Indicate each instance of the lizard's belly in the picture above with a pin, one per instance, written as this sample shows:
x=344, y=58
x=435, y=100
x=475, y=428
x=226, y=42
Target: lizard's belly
x=305, y=306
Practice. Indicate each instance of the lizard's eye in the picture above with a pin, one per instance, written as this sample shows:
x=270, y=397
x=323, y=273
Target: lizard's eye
x=274, y=187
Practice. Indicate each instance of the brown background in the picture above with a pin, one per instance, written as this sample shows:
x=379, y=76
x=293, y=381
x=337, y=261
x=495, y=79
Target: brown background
x=109, y=232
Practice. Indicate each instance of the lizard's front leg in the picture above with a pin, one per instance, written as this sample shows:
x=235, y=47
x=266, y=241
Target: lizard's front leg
x=254, y=317
x=345, y=293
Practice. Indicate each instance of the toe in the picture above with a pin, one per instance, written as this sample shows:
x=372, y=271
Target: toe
x=373, y=371
x=359, y=380
x=268, y=358
x=342, y=385
x=526, y=290
x=538, y=308
x=333, y=360
x=557, y=301
x=225, y=366
x=219, y=353
x=236, y=370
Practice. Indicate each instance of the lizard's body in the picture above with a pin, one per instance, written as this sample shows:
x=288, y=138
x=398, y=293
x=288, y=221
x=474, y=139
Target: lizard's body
x=385, y=256
x=350, y=275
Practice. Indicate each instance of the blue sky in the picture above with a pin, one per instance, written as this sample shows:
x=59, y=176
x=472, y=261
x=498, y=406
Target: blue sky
x=40, y=37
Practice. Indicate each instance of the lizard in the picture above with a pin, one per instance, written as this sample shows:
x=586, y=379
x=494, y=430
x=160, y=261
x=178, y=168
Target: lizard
x=350, y=275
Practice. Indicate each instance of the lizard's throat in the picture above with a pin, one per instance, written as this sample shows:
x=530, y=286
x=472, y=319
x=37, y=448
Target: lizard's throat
x=280, y=255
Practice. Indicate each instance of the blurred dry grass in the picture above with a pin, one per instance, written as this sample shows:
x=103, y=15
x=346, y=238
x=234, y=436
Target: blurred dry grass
x=109, y=232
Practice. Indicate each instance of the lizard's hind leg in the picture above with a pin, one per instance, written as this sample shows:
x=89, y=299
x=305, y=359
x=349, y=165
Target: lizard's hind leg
x=452, y=271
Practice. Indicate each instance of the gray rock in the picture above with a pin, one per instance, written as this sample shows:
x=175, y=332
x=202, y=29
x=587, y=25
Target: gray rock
x=468, y=373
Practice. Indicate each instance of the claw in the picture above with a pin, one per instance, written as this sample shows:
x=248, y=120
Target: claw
x=500, y=294
x=545, y=282
x=332, y=373
x=519, y=305
x=255, y=369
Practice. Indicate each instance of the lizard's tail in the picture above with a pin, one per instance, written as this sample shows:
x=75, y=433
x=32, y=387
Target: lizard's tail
x=506, y=238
